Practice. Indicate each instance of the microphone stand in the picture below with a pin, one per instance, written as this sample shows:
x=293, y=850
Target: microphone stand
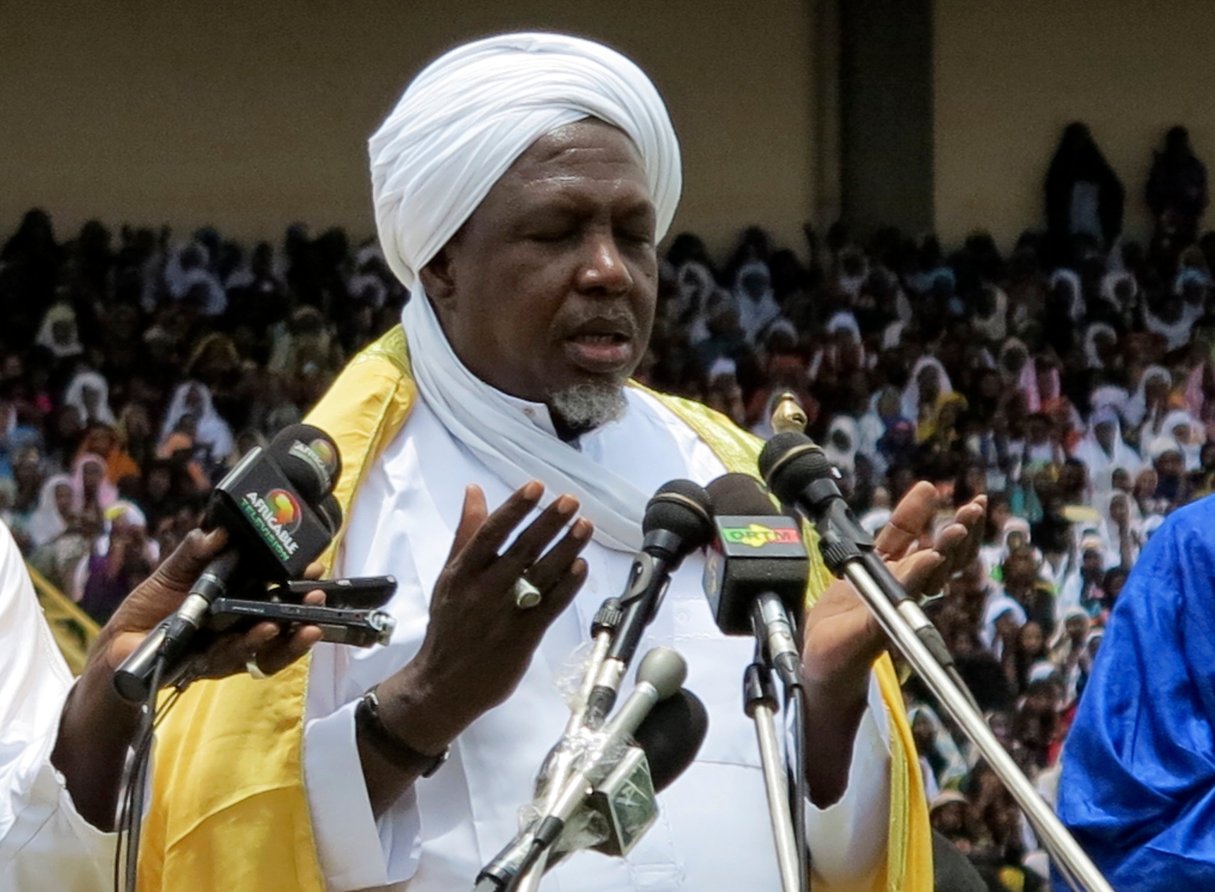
x=759, y=703
x=855, y=561
x=603, y=628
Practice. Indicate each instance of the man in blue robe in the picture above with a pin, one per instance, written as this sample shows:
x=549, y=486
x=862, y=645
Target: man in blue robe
x=1138, y=783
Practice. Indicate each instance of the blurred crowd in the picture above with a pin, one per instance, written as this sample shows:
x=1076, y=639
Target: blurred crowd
x=1071, y=379
x=136, y=368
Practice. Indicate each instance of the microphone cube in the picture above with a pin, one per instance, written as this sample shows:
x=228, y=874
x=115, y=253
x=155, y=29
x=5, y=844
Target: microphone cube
x=752, y=554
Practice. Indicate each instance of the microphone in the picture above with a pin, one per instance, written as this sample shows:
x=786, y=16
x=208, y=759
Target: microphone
x=622, y=807
x=309, y=457
x=274, y=532
x=801, y=475
x=611, y=758
x=676, y=523
x=756, y=571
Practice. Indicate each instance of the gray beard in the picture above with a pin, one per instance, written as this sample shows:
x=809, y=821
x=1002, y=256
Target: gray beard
x=587, y=406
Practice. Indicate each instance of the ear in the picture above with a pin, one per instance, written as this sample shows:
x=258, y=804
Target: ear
x=439, y=279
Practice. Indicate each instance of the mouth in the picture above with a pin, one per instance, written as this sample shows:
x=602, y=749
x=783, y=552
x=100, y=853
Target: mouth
x=602, y=346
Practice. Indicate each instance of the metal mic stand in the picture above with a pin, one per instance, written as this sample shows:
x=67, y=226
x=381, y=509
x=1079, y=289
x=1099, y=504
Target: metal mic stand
x=759, y=703
x=854, y=562
x=603, y=627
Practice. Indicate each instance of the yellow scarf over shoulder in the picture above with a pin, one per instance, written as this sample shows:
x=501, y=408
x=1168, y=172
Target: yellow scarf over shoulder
x=229, y=810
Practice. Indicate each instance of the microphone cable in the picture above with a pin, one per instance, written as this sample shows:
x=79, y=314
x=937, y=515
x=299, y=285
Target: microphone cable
x=134, y=784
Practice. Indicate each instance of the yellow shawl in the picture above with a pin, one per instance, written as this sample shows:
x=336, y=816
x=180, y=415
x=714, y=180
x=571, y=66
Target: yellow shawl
x=229, y=810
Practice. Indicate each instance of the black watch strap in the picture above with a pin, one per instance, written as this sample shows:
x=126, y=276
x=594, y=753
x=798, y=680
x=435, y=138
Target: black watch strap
x=371, y=729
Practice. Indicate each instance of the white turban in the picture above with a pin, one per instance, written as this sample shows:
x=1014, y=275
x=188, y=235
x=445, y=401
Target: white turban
x=458, y=128
x=470, y=113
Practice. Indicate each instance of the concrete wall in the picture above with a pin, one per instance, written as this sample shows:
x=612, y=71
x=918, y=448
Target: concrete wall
x=1010, y=75
x=250, y=115
x=886, y=122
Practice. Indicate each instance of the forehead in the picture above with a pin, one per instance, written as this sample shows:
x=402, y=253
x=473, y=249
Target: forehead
x=585, y=154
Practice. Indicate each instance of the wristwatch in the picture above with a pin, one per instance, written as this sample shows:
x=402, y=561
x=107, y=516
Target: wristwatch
x=371, y=729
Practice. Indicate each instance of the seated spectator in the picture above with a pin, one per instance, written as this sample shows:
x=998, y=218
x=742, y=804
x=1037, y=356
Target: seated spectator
x=54, y=512
x=210, y=432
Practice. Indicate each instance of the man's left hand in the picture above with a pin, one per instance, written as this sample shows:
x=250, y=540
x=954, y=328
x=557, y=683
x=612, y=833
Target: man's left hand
x=842, y=637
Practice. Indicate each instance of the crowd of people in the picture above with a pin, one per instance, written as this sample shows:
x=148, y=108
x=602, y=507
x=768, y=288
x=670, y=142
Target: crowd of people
x=1072, y=380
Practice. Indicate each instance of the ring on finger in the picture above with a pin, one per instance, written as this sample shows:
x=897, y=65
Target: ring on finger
x=526, y=594
x=254, y=670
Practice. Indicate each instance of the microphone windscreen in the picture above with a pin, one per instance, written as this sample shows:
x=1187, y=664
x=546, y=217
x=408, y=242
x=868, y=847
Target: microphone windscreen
x=672, y=734
x=790, y=462
x=331, y=512
x=309, y=459
x=665, y=669
x=683, y=508
x=741, y=494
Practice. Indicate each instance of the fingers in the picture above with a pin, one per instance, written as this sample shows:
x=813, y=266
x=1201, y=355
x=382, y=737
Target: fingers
x=552, y=569
x=285, y=648
x=472, y=516
x=315, y=570
x=480, y=548
x=180, y=569
x=530, y=544
x=560, y=595
x=911, y=516
x=918, y=570
x=972, y=515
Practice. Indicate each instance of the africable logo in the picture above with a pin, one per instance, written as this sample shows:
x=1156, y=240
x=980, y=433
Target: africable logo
x=757, y=535
x=320, y=456
x=276, y=515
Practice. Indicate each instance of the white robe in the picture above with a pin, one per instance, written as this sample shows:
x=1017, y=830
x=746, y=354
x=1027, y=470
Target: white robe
x=44, y=842
x=713, y=832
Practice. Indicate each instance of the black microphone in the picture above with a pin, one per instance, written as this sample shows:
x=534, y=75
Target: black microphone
x=801, y=475
x=671, y=736
x=274, y=533
x=677, y=522
x=309, y=458
x=756, y=571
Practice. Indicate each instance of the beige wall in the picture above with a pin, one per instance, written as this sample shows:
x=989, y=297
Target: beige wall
x=1010, y=75
x=250, y=115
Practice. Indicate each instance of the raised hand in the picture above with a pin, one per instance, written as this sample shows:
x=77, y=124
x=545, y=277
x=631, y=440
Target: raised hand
x=473, y=613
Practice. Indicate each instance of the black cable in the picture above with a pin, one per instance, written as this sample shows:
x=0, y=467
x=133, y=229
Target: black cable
x=134, y=785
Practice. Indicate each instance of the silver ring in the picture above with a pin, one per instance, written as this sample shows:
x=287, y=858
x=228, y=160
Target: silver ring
x=254, y=670
x=526, y=595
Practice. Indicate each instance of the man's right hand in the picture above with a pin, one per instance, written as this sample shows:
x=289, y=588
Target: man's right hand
x=478, y=643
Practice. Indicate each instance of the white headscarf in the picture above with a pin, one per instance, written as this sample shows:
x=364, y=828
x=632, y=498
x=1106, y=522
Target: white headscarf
x=456, y=130
x=1099, y=462
x=994, y=327
x=74, y=397
x=843, y=457
x=1191, y=451
x=996, y=608
x=1075, y=301
x=755, y=315
x=1136, y=408
x=911, y=392
x=46, y=523
x=212, y=430
x=60, y=312
x=1090, y=343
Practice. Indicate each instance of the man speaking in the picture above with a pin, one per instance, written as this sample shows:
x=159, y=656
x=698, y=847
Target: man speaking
x=521, y=186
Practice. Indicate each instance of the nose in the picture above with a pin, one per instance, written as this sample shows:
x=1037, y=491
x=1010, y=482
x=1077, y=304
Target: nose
x=603, y=269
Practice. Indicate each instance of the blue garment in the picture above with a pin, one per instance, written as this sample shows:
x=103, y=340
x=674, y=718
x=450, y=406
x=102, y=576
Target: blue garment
x=1138, y=783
